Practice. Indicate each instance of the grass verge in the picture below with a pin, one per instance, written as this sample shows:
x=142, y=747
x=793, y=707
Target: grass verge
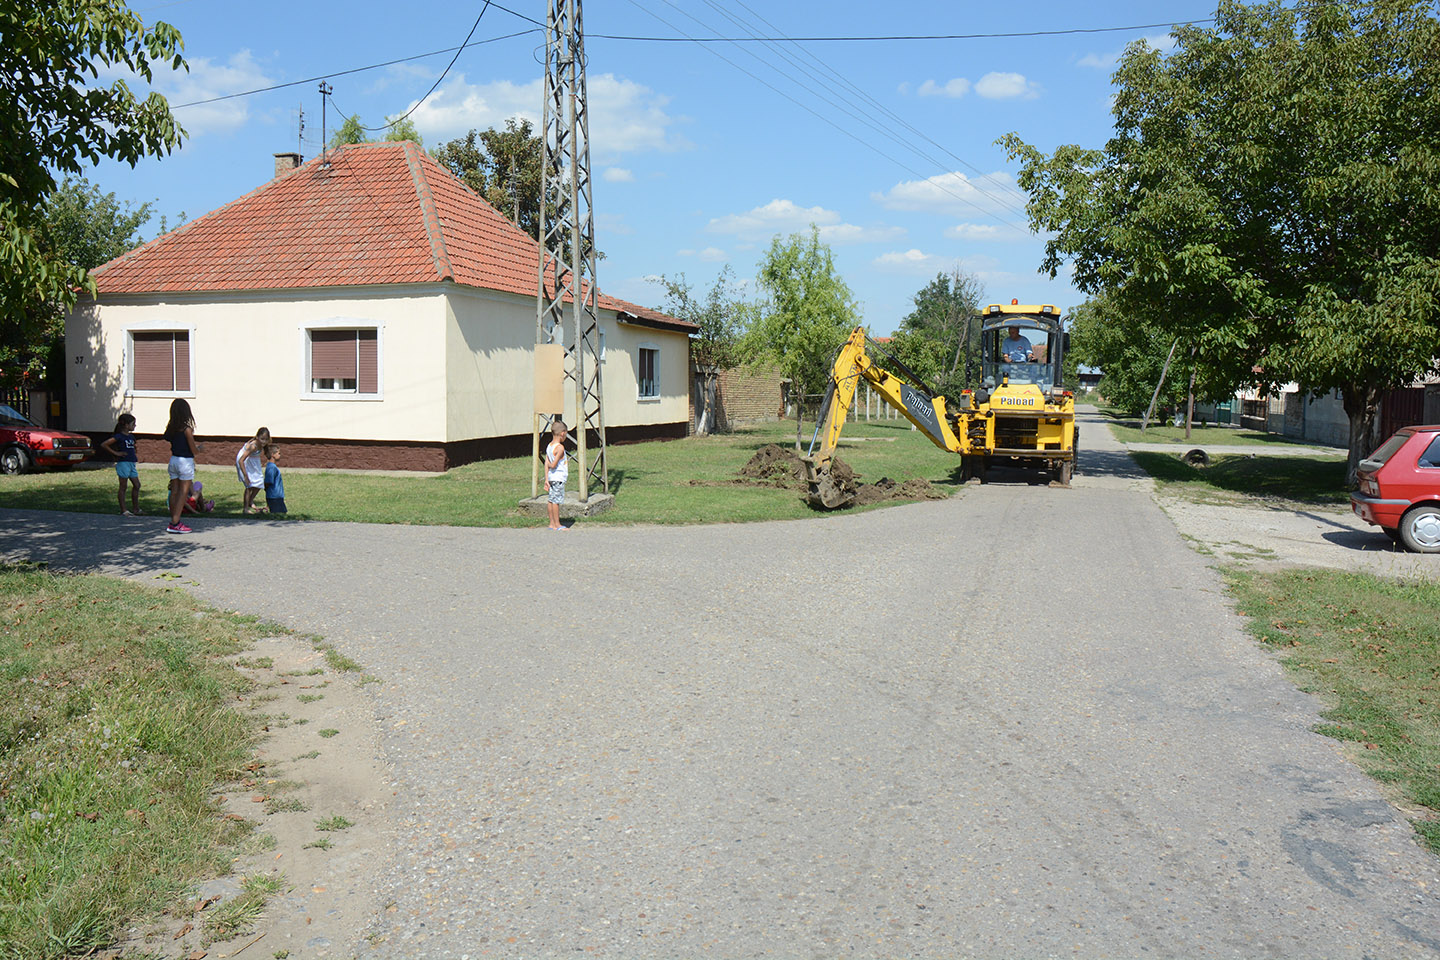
x=115, y=727
x=1370, y=650
x=1231, y=478
x=1126, y=429
x=692, y=480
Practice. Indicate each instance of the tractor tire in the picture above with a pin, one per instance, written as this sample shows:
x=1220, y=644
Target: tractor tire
x=1420, y=528
x=15, y=460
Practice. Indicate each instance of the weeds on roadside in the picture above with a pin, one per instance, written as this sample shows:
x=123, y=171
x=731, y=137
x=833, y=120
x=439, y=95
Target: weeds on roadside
x=1370, y=649
x=238, y=915
x=116, y=724
x=336, y=822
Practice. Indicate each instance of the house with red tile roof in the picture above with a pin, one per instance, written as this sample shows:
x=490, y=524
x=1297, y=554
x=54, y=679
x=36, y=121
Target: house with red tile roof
x=367, y=307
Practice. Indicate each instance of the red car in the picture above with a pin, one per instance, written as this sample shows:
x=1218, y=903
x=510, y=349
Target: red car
x=1400, y=488
x=24, y=445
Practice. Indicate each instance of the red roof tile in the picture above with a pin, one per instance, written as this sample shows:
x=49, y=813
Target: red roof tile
x=378, y=213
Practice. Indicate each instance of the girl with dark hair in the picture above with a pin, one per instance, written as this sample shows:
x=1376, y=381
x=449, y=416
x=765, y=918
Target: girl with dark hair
x=180, y=432
x=121, y=446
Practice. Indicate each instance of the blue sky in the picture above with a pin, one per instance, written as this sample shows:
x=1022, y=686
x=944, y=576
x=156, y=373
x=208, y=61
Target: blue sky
x=701, y=153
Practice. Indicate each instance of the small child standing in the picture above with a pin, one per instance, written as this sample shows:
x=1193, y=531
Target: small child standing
x=121, y=446
x=274, y=483
x=250, y=469
x=557, y=471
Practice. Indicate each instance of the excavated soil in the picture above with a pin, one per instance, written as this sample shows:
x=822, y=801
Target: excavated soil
x=777, y=466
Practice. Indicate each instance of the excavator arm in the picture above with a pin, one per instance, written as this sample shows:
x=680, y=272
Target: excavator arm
x=915, y=403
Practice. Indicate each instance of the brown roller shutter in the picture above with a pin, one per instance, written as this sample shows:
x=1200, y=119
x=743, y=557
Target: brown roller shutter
x=154, y=358
x=332, y=354
x=182, y=362
x=369, y=360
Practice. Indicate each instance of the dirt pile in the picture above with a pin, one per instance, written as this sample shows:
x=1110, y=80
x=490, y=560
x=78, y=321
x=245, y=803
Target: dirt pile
x=777, y=466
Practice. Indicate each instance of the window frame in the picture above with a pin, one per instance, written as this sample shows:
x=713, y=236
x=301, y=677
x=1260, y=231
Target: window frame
x=158, y=327
x=641, y=395
x=307, y=382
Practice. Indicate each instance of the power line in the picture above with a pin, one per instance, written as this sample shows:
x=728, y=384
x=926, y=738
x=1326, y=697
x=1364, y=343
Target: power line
x=473, y=27
x=345, y=73
x=873, y=38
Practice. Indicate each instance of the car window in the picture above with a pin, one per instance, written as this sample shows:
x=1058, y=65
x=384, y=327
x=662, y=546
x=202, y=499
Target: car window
x=1385, y=451
x=1431, y=456
x=10, y=417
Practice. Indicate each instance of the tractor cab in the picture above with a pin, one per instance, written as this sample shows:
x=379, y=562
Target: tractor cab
x=1021, y=344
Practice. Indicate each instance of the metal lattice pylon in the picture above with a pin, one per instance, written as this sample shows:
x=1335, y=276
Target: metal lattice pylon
x=567, y=244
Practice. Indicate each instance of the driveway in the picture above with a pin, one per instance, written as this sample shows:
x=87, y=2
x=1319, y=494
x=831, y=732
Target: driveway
x=1020, y=722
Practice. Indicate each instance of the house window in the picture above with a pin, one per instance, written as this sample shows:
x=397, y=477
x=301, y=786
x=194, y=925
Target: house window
x=344, y=361
x=160, y=361
x=649, y=372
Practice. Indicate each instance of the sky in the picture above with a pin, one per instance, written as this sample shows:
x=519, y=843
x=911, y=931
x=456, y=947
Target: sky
x=701, y=153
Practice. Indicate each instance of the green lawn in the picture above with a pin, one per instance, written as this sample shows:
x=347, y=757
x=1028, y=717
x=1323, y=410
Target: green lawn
x=679, y=481
x=1127, y=430
x=1232, y=477
x=1367, y=647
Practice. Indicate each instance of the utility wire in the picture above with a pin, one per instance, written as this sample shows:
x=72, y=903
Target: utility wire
x=869, y=39
x=345, y=73
x=828, y=121
x=473, y=27
x=877, y=123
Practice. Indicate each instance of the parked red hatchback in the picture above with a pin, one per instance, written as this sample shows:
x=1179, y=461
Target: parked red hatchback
x=24, y=445
x=1400, y=488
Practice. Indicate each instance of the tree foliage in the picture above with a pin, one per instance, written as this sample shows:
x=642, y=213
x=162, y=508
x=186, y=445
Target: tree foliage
x=1271, y=196
x=349, y=132
x=807, y=313
x=55, y=116
x=940, y=339
x=720, y=314
x=503, y=167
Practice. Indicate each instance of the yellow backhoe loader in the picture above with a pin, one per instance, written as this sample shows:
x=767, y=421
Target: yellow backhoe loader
x=1021, y=415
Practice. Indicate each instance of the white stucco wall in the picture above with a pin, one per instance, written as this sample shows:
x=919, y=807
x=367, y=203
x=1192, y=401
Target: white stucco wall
x=490, y=369
x=249, y=361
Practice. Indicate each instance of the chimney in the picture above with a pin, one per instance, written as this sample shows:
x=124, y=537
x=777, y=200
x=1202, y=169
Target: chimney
x=284, y=163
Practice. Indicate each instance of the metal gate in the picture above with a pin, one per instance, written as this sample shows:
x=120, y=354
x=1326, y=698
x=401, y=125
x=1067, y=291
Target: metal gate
x=1401, y=407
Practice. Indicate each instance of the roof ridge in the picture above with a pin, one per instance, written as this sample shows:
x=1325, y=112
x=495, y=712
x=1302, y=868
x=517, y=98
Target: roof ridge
x=429, y=215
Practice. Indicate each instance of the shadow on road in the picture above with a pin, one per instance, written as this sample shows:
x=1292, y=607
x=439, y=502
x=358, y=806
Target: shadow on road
x=1109, y=463
x=84, y=543
x=1376, y=542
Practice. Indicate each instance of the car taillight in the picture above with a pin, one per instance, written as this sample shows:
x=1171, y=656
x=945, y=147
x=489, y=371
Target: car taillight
x=1370, y=488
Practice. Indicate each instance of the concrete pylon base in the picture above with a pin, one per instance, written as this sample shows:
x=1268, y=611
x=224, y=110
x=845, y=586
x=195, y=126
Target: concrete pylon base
x=572, y=507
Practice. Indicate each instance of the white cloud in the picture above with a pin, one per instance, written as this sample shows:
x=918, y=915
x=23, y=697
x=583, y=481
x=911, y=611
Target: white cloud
x=1163, y=42
x=1006, y=86
x=785, y=216
x=955, y=194
x=844, y=234
x=617, y=175
x=986, y=231
x=914, y=262
x=625, y=117
x=708, y=255
x=1100, y=61
x=955, y=89
x=205, y=80
x=777, y=216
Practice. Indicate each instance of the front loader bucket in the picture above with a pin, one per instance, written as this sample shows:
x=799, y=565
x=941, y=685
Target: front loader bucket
x=825, y=492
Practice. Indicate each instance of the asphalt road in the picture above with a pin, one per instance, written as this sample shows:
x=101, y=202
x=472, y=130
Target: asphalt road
x=1021, y=722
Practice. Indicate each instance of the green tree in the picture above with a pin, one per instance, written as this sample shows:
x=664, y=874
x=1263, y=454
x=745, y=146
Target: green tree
x=55, y=115
x=940, y=339
x=807, y=313
x=503, y=167
x=1271, y=196
x=719, y=315
x=403, y=129
x=351, y=131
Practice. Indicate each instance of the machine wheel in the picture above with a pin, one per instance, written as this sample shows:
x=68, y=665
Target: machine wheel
x=14, y=460
x=1075, y=452
x=1067, y=470
x=1420, y=528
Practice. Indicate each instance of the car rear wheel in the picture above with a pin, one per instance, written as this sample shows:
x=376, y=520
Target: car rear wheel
x=1420, y=528
x=14, y=460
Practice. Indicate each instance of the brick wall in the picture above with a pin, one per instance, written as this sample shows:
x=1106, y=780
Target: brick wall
x=750, y=395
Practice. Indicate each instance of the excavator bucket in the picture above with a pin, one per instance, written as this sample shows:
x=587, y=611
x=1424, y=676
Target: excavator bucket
x=825, y=491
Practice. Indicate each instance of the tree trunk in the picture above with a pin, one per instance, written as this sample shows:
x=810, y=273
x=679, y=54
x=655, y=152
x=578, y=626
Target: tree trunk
x=1190, y=395
x=707, y=400
x=1362, y=403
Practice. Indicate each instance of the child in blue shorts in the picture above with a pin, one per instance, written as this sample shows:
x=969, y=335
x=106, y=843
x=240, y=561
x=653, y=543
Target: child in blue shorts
x=121, y=446
x=274, y=483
